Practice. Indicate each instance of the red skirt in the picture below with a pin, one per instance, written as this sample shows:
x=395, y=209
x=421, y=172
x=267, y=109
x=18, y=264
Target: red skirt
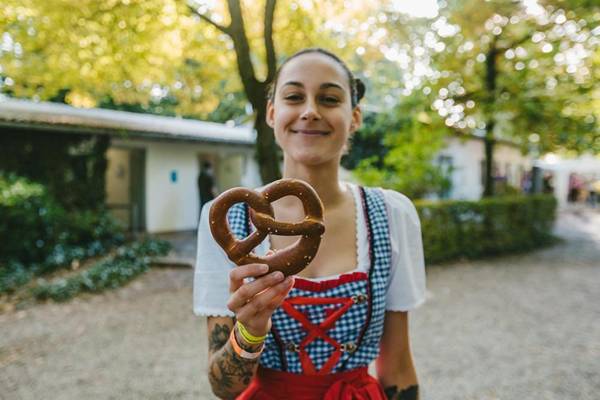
x=270, y=384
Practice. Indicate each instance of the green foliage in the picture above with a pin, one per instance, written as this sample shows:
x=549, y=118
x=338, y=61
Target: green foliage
x=71, y=166
x=30, y=221
x=492, y=226
x=38, y=235
x=411, y=135
x=115, y=271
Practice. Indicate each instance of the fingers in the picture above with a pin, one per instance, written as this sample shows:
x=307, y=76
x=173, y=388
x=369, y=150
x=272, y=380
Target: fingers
x=238, y=274
x=248, y=290
x=264, y=304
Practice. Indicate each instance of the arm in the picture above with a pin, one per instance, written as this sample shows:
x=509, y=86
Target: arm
x=395, y=368
x=253, y=303
x=228, y=373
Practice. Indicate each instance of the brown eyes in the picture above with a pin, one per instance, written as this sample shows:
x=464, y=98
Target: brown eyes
x=329, y=100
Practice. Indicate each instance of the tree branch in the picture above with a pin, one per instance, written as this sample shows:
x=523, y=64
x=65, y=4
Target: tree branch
x=224, y=29
x=242, y=52
x=515, y=43
x=269, y=45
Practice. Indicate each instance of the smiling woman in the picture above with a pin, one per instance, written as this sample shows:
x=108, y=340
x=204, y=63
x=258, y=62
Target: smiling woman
x=313, y=335
x=322, y=104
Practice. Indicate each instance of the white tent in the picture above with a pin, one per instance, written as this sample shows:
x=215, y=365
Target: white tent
x=561, y=169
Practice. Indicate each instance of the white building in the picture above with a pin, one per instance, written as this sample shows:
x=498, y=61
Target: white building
x=465, y=157
x=153, y=161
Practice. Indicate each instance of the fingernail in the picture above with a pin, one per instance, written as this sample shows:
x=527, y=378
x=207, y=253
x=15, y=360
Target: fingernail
x=278, y=275
x=264, y=268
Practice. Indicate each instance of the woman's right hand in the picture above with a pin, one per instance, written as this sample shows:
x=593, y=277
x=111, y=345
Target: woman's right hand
x=254, y=302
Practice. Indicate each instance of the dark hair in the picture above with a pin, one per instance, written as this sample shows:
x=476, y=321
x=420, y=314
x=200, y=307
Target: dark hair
x=357, y=87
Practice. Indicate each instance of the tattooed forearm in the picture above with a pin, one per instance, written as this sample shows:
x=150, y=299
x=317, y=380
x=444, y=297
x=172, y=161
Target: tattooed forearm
x=218, y=337
x=228, y=373
x=410, y=393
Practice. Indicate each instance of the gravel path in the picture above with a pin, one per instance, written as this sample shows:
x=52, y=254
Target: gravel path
x=519, y=327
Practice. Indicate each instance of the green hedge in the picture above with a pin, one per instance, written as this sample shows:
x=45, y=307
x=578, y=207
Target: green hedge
x=113, y=272
x=473, y=229
x=38, y=235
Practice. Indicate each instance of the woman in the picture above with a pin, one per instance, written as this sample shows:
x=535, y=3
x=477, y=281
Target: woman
x=313, y=336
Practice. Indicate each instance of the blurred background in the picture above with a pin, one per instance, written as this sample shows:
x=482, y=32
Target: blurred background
x=119, y=119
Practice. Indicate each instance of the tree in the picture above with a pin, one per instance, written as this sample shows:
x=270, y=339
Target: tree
x=516, y=70
x=298, y=29
x=173, y=57
x=255, y=89
x=411, y=134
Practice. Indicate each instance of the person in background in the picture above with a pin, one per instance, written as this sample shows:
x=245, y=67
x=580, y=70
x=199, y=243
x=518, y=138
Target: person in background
x=206, y=184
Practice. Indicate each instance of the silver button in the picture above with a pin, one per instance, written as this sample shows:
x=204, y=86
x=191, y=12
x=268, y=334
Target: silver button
x=349, y=347
x=293, y=347
x=359, y=298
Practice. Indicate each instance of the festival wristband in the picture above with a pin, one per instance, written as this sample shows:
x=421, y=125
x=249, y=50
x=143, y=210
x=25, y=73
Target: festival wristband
x=241, y=352
x=248, y=337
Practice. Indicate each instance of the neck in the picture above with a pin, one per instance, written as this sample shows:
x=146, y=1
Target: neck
x=324, y=178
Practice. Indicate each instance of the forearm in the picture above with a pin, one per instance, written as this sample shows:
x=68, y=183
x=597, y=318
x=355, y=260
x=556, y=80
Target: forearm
x=229, y=374
x=409, y=393
x=395, y=367
x=400, y=384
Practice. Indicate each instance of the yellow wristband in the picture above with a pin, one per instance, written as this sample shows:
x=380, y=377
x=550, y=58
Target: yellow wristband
x=248, y=337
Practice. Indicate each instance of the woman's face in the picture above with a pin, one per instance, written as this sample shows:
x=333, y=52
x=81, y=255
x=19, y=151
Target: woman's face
x=311, y=112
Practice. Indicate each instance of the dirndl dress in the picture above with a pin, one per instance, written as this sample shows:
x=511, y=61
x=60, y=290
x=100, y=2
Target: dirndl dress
x=326, y=333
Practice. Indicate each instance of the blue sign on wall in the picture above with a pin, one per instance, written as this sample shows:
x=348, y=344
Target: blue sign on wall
x=174, y=176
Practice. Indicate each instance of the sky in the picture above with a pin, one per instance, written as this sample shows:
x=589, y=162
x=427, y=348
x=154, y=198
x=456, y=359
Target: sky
x=417, y=8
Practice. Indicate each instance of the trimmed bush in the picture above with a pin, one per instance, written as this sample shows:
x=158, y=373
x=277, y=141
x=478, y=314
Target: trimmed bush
x=473, y=229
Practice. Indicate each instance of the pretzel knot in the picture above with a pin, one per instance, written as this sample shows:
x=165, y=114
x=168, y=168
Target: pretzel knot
x=289, y=260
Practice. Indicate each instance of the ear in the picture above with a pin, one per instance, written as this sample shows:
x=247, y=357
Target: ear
x=356, y=119
x=270, y=114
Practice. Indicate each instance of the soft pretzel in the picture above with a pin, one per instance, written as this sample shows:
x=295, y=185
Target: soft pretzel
x=289, y=260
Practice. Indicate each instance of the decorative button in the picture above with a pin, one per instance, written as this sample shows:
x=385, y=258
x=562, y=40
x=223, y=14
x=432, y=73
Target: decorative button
x=359, y=298
x=349, y=347
x=293, y=347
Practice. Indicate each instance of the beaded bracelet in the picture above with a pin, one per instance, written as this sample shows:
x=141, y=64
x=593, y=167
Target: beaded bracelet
x=248, y=337
x=241, y=352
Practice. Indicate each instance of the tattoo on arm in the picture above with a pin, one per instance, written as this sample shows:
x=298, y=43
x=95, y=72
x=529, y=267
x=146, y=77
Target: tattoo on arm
x=410, y=393
x=228, y=374
x=218, y=337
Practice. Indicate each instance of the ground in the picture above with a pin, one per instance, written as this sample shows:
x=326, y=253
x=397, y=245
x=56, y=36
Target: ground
x=519, y=327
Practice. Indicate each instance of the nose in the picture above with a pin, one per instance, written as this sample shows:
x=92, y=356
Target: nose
x=310, y=113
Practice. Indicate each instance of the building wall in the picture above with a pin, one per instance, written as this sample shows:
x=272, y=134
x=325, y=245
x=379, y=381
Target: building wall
x=466, y=158
x=172, y=168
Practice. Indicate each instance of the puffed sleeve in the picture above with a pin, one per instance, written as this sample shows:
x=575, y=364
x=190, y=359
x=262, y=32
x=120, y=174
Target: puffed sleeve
x=211, y=274
x=406, y=290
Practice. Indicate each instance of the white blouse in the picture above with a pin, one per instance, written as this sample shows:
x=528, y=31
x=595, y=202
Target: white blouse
x=406, y=290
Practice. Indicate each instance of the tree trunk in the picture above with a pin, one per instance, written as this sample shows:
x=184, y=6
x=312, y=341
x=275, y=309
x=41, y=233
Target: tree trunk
x=256, y=91
x=267, y=152
x=490, y=84
x=489, y=142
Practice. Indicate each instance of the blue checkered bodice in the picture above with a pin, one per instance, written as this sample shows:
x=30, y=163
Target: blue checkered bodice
x=359, y=329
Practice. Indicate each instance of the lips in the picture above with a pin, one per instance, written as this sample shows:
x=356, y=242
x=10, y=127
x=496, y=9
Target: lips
x=314, y=132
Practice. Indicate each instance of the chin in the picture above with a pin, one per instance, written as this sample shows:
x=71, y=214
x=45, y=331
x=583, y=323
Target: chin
x=312, y=159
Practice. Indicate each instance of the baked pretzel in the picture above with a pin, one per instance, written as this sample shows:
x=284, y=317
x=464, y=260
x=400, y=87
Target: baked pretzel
x=289, y=260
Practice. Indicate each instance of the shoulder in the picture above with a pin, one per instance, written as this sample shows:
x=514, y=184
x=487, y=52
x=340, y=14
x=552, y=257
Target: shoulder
x=398, y=205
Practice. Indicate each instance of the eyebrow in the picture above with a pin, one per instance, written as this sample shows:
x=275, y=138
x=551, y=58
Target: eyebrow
x=325, y=85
